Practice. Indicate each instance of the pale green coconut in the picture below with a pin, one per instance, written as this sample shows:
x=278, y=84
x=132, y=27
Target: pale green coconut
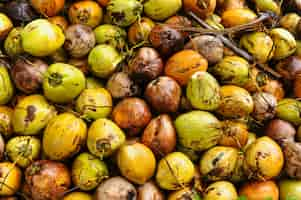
x=198, y=130
x=103, y=60
x=42, y=38
x=203, y=91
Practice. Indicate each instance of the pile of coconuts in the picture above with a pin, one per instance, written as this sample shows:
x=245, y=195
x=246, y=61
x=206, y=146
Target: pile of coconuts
x=150, y=100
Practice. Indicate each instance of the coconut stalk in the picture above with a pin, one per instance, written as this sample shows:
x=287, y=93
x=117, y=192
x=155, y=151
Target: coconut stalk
x=227, y=42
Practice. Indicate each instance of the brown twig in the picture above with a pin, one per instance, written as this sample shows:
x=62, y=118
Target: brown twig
x=263, y=17
x=70, y=190
x=198, y=30
x=234, y=47
x=252, y=26
x=266, y=68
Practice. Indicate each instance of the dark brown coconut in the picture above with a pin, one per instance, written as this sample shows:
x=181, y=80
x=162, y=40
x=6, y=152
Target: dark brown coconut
x=160, y=135
x=146, y=65
x=166, y=39
x=20, y=10
x=163, y=94
x=120, y=85
x=27, y=74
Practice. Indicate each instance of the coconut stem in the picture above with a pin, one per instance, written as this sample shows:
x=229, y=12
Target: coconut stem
x=70, y=190
x=227, y=42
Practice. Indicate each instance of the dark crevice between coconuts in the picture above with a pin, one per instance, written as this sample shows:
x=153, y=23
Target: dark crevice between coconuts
x=131, y=195
x=68, y=44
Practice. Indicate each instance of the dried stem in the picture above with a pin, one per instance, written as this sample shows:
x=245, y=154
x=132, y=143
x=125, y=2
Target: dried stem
x=70, y=190
x=227, y=42
x=198, y=30
x=270, y=70
x=257, y=22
